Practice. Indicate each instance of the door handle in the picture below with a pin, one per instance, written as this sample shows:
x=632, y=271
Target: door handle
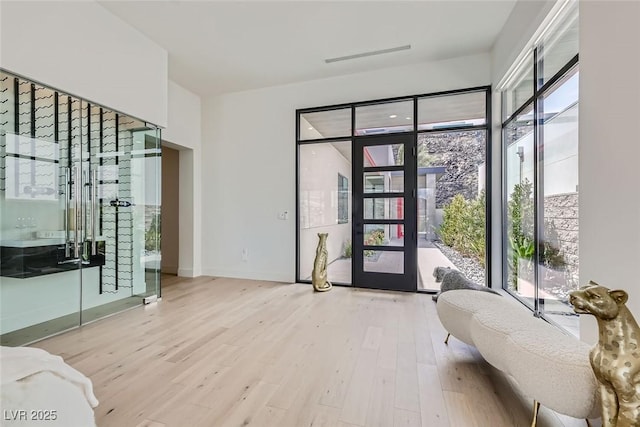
x=94, y=193
x=76, y=205
x=120, y=203
x=67, y=195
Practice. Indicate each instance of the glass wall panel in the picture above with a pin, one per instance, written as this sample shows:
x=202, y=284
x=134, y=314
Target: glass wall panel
x=384, y=118
x=451, y=204
x=383, y=235
x=39, y=292
x=541, y=172
x=383, y=155
x=384, y=208
x=383, y=261
x=320, y=190
x=325, y=124
x=558, y=267
x=465, y=109
x=520, y=237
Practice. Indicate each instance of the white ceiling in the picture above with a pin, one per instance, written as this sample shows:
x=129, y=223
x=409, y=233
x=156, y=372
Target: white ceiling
x=226, y=46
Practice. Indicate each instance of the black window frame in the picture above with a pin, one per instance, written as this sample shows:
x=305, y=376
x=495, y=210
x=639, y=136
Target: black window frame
x=487, y=127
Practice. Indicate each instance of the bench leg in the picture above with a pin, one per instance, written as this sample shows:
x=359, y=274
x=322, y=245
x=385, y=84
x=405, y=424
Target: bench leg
x=446, y=340
x=536, y=407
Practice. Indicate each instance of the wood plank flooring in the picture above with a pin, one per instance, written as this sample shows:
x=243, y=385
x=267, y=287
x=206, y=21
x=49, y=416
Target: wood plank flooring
x=229, y=352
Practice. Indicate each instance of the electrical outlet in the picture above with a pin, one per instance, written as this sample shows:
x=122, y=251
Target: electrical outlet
x=245, y=254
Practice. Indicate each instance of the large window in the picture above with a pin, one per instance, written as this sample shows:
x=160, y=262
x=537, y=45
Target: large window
x=540, y=143
x=410, y=192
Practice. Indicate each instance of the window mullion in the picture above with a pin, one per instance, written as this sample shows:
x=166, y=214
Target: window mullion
x=536, y=170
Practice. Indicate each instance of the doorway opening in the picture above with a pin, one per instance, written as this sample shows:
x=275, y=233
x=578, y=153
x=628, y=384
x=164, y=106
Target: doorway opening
x=170, y=210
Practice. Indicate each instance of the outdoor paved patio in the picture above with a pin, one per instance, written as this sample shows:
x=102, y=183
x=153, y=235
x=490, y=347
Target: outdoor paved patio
x=339, y=271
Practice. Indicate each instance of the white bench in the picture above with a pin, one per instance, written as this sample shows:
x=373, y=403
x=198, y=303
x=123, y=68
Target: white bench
x=547, y=365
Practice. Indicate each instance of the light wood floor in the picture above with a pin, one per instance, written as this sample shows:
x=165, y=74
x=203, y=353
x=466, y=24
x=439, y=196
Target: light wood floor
x=228, y=352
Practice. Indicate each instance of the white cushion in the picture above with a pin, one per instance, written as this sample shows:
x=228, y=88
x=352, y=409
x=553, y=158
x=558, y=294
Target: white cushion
x=554, y=368
x=457, y=307
x=490, y=330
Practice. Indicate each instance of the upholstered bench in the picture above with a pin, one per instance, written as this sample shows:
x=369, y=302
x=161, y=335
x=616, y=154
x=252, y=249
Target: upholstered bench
x=548, y=365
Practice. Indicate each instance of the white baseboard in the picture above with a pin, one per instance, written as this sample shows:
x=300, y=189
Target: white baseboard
x=185, y=272
x=169, y=269
x=268, y=276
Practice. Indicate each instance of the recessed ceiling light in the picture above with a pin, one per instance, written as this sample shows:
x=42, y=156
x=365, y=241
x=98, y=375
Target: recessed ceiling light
x=310, y=128
x=408, y=118
x=393, y=116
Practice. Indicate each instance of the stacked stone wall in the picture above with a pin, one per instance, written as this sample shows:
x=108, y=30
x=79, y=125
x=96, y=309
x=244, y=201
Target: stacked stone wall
x=461, y=153
x=561, y=211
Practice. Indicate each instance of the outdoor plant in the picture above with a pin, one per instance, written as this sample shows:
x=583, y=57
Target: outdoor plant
x=520, y=212
x=520, y=230
x=463, y=226
x=373, y=238
x=452, y=223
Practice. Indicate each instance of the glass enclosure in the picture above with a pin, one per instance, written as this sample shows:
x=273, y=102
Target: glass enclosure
x=80, y=211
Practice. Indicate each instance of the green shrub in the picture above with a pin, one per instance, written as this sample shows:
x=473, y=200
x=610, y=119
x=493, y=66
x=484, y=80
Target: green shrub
x=463, y=226
x=520, y=227
x=520, y=233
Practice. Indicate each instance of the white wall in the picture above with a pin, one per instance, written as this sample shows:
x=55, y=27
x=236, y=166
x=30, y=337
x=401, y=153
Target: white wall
x=183, y=133
x=82, y=49
x=609, y=149
x=248, y=156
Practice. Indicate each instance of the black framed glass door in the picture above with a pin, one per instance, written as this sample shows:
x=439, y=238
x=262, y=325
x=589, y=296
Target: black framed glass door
x=384, y=212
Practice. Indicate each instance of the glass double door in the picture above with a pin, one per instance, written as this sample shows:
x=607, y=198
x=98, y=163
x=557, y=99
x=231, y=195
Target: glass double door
x=80, y=205
x=384, y=212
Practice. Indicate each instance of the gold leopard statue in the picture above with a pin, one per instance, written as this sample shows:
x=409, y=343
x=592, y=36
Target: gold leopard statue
x=319, y=273
x=615, y=359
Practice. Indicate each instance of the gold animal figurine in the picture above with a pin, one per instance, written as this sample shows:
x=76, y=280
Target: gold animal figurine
x=615, y=359
x=319, y=273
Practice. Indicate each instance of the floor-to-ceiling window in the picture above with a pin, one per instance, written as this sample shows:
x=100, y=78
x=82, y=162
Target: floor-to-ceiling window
x=399, y=185
x=540, y=153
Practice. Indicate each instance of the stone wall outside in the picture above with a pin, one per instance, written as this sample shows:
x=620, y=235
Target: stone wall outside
x=561, y=210
x=461, y=153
